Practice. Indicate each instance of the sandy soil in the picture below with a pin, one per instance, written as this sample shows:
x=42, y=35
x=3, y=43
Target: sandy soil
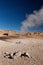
x=33, y=46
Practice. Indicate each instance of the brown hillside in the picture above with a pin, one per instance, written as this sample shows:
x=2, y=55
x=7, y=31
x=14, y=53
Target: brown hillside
x=10, y=33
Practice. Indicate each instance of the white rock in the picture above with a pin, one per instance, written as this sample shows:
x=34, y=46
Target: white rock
x=18, y=54
x=27, y=54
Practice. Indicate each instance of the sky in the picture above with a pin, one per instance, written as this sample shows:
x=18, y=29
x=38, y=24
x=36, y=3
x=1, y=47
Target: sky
x=21, y=15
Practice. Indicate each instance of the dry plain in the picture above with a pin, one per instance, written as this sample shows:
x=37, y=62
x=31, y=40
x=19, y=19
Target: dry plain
x=31, y=42
x=32, y=45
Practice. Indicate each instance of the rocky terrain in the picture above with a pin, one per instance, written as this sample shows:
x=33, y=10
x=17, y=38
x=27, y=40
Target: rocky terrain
x=31, y=42
x=11, y=34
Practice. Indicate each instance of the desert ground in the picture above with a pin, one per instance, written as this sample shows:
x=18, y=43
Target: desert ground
x=34, y=46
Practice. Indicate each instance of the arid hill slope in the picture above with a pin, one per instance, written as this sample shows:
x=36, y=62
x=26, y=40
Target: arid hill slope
x=10, y=33
x=34, y=34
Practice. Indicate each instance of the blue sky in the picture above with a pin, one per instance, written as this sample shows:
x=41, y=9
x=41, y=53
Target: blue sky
x=13, y=13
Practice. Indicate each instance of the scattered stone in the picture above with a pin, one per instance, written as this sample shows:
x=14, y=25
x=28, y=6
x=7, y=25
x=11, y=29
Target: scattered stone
x=8, y=55
x=18, y=42
x=16, y=54
x=25, y=54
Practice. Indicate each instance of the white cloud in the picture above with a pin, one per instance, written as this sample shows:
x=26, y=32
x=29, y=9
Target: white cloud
x=33, y=20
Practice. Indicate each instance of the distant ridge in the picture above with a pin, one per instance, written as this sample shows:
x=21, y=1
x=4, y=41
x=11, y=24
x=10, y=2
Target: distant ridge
x=15, y=34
